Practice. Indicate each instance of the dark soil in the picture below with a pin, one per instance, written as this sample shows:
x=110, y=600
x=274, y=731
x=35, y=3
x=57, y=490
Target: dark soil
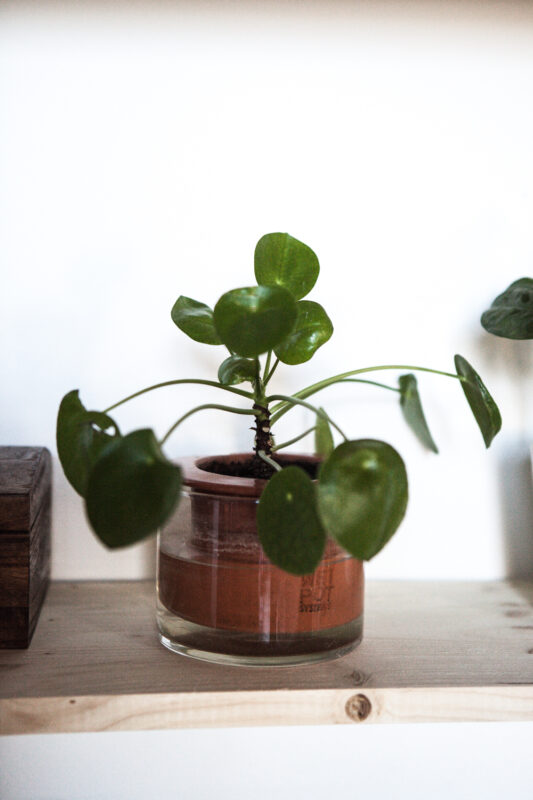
x=254, y=467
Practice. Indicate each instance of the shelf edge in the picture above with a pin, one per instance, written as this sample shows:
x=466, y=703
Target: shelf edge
x=93, y=713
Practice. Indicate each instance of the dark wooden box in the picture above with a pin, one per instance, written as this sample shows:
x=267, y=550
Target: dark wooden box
x=25, y=499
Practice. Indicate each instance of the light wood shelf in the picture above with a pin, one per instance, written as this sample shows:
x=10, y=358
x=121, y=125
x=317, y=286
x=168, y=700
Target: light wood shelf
x=432, y=651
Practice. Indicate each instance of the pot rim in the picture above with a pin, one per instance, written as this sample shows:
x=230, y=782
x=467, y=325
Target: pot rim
x=200, y=479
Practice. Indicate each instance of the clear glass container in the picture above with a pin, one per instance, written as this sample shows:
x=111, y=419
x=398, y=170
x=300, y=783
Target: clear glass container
x=220, y=599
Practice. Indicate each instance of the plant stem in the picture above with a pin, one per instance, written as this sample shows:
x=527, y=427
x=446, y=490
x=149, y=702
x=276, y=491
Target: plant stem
x=292, y=400
x=270, y=461
x=282, y=408
x=267, y=366
x=231, y=409
x=267, y=379
x=263, y=435
x=371, y=383
x=292, y=441
x=242, y=392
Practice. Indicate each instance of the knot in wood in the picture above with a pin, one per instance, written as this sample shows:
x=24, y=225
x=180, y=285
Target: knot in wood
x=358, y=707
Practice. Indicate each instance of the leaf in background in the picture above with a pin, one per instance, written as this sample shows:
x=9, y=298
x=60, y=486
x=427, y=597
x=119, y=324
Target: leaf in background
x=289, y=528
x=312, y=329
x=484, y=409
x=253, y=320
x=511, y=313
x=281, y=260
x=362, y=495
x=413, y=412
x=237, y=369
x=195, y=319
x=80, y=436
x=324, y=444
x=132, y=489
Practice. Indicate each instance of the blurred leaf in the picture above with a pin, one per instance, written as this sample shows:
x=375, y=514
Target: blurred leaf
x=511, y=313
x=281, y=260
x=413, y=412
x=132, y=489
x=253, y=320
x=362, y=495
x=80, y=439
x=312, y=329
x=237, y=369
x=324, y=444
x=484, y=409
x=289, y=528
x=195, y=319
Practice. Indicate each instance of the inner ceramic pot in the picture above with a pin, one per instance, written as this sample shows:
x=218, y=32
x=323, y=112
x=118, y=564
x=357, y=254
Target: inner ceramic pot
x=221, y=599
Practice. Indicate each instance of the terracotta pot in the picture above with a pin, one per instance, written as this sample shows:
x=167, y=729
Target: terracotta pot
x=220, y=598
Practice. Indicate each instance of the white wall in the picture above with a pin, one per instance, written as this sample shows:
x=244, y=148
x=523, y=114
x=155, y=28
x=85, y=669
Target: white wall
x=415, y=762
x=144, y=148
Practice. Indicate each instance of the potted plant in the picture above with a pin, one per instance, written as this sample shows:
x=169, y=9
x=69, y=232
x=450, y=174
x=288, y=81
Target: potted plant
x=260, y=554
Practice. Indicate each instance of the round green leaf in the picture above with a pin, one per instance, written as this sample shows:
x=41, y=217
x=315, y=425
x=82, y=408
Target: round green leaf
x=132, y=489
x=511, y=313
x=195, y=319
x=281, y=260
x=288, y=525
x=413, y=412
x=324, y=444
x=236, y=369
x=253, y=320
x=312, y=329
x=81, y=437
x=362, y=495
x=484, y=409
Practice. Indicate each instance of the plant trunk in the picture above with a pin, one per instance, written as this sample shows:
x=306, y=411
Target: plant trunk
x=263, y=435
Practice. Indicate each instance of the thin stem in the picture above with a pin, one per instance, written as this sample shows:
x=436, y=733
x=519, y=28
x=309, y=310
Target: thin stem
x=242, y=392
x=267, y=379
x=270, y=461
x=292, y=441
x=267, y=366
x=318, y=411
x=282, y=408
x=258, y=392
x=371, y=383
x=231, y=409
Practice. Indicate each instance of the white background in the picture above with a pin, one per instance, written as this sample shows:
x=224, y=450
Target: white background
x=145, y=148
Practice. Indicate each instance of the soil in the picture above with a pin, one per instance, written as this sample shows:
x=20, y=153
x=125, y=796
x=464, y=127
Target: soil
x=254, y=467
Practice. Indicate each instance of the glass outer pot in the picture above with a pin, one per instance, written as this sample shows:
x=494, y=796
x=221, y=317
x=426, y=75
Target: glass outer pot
x=220, y=599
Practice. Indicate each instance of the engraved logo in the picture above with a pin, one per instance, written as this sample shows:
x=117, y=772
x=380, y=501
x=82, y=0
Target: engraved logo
x=316, y=591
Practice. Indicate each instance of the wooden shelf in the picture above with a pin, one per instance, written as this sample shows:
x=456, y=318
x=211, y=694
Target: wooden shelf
x=431, y=652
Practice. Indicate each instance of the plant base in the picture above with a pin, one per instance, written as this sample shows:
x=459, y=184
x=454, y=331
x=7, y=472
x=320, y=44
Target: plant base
x=220, y=599
x=248, y=649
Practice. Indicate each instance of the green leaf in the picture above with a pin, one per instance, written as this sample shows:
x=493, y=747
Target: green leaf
x=253, y=320
x=80, y=439
x=132, y=489
x=511, y=313
x=484, y=409
x=324, y=444
x=362, y=495
x=289, y=528
x=195, y=319
x=312, y=329
x=413, y=412
x=236, y=369
x=281, y=260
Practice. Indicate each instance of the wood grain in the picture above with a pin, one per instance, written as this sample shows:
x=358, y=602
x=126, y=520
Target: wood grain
x=260, y=708
x=431, y=652
x=25, y=480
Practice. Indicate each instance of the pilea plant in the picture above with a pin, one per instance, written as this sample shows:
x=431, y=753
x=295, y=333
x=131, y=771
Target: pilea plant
x=130, y=487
